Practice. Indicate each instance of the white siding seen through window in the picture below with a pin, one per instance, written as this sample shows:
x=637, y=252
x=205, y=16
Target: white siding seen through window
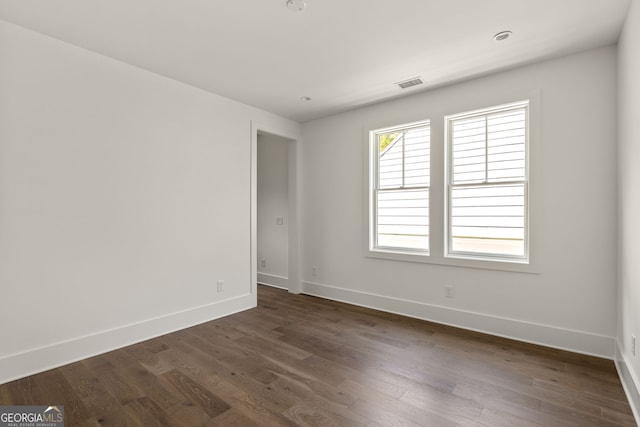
x=487, y=206
x=401, y=188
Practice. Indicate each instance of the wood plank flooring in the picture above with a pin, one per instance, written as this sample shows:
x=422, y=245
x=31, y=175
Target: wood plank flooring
x=297, y=360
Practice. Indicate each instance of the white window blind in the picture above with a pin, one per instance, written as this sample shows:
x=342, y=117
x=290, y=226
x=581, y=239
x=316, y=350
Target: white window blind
x=400, y=214
x=487, y=191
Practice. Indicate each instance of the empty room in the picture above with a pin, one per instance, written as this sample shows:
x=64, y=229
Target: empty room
x=319, y=213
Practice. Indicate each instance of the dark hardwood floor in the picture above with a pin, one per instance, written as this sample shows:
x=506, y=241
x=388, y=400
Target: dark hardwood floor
x=303, y=361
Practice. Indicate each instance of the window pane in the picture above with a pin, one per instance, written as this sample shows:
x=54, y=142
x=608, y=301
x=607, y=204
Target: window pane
x=391, y=163
x=489, y=148
x=469, y=150
x=416, y=157
x=403, y=219
x=488, y=219
x=506, y=145
x=404, y=158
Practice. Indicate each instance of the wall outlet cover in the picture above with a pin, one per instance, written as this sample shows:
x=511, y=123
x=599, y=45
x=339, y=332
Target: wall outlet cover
x=449, y=291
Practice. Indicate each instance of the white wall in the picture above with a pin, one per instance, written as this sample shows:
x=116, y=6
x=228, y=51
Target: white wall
x=124, y=197
x=273, y=202
x=629, y=204
x=571, y=301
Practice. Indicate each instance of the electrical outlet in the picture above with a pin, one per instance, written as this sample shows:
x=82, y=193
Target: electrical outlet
x=263, y=263
x=449, y=292
x=279, y=220
x=220, y=285
x=314, y=271
x=633, y=345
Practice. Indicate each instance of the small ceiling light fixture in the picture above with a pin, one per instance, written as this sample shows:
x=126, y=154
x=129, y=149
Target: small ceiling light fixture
x=296, y=5
x=305, y=99
x=502, y=35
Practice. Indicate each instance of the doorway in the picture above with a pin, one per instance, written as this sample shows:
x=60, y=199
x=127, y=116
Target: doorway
x=274, y=214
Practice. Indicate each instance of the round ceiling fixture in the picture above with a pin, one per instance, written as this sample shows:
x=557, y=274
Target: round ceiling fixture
x=296, y=5
x=502, y=35
x=305, y=99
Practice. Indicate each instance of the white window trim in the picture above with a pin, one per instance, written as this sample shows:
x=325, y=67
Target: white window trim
x=448, y=120
x=437, y=191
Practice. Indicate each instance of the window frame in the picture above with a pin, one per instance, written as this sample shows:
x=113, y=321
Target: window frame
x=437, y=193
x=372, y=182
x=449, y=184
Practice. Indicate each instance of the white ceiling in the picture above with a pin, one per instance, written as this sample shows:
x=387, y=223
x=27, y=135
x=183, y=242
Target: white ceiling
x=342, y=54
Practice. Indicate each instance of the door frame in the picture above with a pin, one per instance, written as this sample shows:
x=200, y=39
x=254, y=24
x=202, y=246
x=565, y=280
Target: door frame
x=294, y=204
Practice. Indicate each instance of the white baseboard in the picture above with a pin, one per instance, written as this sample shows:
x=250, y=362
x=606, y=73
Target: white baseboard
x=630, y=382
x=37, y=360
x=549, y=336
x=273, y=280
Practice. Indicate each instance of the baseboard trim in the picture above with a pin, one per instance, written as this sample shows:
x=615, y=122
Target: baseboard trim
x=273, y=280
x=41, y=359
x=549, y=336
x=630, y=382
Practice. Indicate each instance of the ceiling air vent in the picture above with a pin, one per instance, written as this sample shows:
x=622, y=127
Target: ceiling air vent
x=411, y=82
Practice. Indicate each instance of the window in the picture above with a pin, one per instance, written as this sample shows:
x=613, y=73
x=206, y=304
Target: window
x=400, y=162
x=487, y=183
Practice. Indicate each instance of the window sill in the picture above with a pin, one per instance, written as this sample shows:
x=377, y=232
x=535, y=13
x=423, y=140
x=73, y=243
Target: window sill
x=516, y=266
x=399, y=255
